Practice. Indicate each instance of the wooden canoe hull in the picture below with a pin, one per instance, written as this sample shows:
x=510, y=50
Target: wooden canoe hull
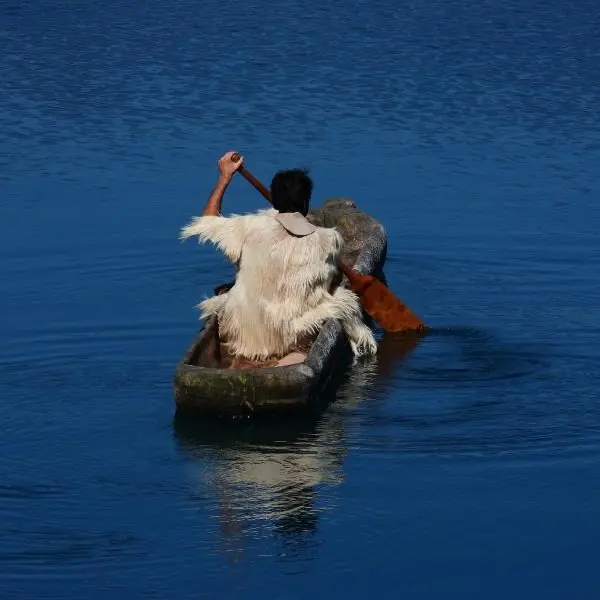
x=232, y=392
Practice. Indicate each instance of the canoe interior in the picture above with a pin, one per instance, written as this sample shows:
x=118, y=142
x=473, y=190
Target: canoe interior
x=210, y=352
x=203, y=384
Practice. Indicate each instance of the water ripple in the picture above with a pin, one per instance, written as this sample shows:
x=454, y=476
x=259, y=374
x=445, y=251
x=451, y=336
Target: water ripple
x=462, y=356
x=494, y=407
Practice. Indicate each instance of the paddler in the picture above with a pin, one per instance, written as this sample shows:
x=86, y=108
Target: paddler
x=285, y=270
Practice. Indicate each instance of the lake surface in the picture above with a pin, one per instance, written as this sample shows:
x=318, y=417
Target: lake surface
x=466, y=466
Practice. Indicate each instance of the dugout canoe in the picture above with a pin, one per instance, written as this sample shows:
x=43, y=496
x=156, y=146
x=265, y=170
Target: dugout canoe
x=203, y=387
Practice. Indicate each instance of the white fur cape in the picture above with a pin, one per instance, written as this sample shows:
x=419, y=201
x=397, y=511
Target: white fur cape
x=282, y=286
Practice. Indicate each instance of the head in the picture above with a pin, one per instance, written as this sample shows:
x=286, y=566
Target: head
x=291, y=191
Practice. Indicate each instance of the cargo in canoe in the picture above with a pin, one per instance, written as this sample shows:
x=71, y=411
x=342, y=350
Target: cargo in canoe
x=205, y=387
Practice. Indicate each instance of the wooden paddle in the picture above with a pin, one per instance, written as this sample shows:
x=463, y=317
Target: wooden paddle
x=377, y=300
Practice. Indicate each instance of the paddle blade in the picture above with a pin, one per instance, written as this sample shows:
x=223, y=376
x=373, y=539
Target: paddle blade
x=390, y=312
x=380, y=303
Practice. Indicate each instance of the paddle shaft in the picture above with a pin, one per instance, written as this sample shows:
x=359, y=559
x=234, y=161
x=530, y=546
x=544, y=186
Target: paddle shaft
x=255, y=182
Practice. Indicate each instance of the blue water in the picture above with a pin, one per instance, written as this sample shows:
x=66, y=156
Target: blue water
x=464, y=467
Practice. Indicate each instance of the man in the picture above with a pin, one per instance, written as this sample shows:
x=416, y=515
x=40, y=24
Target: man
x=286, y=266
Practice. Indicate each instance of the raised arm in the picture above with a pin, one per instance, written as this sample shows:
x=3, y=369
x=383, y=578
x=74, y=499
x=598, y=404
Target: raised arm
x=227, y=168
x=228, y=233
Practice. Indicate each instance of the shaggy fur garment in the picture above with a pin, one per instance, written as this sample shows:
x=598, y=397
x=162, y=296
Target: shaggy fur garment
x=281, y=293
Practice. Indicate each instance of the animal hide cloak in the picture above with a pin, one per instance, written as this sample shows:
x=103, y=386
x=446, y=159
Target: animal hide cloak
x=281, y=293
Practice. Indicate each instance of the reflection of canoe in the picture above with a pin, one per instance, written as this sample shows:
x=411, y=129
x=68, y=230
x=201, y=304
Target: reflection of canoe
x=206, y=383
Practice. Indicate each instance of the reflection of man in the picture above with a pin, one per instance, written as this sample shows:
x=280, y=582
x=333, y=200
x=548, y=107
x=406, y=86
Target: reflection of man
x=286, y=268
x=274, y=471
x=272, y=485
x=275, y=477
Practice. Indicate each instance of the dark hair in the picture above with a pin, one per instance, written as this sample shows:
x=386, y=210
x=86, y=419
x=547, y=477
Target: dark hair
x=291, y=191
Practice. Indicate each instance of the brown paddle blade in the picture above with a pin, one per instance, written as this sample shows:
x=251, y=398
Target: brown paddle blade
x=381, y=304
x=377, y=300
